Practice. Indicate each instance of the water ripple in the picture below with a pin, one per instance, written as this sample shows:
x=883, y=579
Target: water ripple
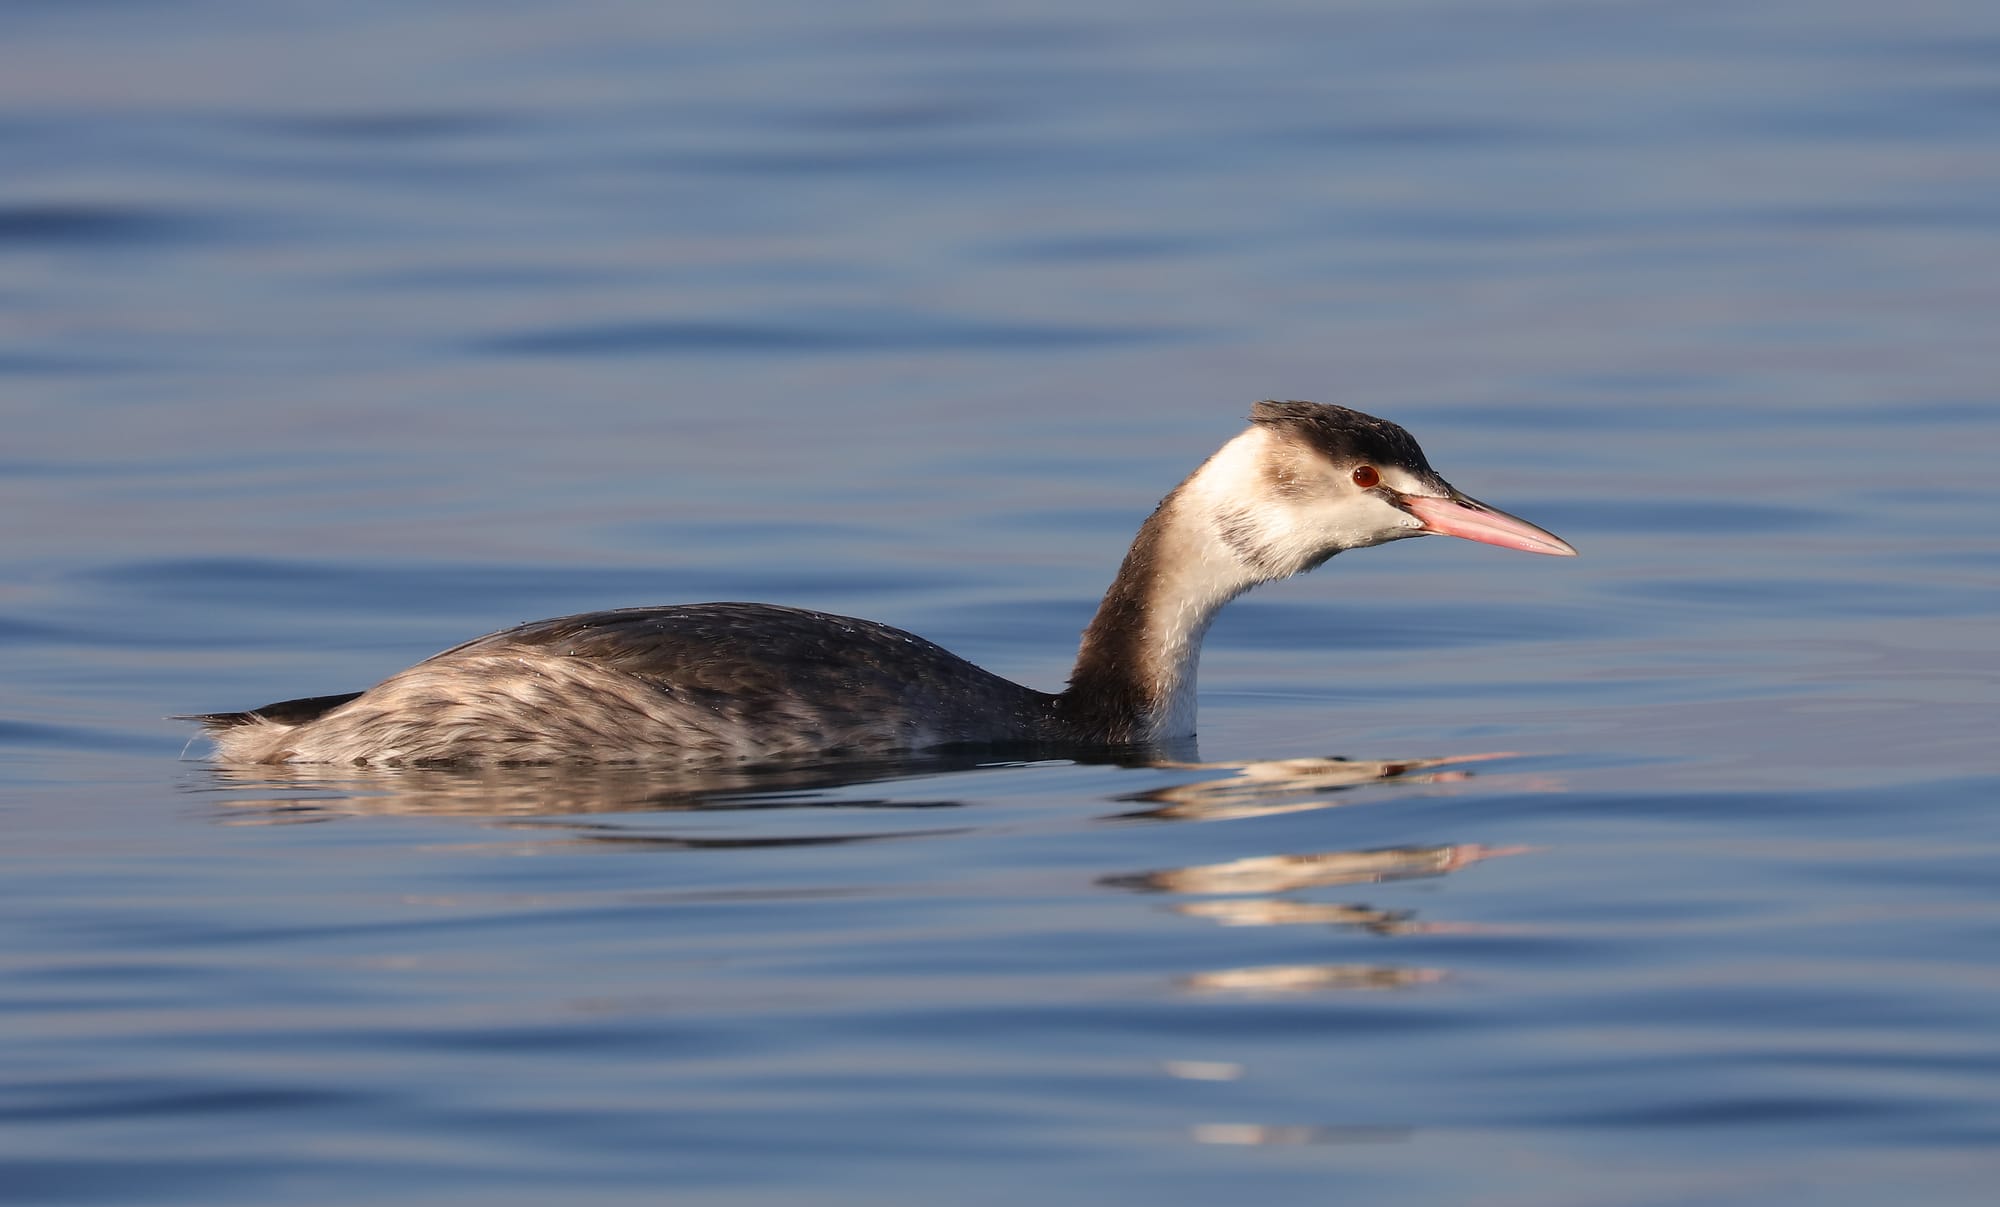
x=86, y=224
x=890, y=333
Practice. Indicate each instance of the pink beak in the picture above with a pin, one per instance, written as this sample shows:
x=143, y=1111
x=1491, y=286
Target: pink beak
x=1457, y=515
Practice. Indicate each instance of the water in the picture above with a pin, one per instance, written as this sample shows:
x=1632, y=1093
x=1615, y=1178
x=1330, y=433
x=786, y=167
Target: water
x=331, y=337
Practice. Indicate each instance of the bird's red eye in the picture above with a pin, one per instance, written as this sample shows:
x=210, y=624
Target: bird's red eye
x=1367, y=477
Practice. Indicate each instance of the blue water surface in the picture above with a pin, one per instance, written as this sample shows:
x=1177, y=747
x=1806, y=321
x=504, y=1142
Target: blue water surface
x=331, y=336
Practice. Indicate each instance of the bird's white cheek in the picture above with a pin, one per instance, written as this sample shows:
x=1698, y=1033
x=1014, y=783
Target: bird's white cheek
x=1357, y=522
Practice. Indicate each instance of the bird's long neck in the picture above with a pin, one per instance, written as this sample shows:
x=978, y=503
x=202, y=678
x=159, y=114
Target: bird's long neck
x=1135, y=672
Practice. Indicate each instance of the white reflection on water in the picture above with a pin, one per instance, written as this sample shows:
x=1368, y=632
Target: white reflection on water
x=1264, y=787
x=1310, y=978
x=1262, y=1135
x=1283, y=873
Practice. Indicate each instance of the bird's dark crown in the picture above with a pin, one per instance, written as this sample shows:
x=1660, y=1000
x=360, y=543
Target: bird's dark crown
x=1343, y=435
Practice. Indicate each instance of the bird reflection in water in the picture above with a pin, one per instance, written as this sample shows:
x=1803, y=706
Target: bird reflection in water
x=1289, y=873
x=555, y=806
x=1284, y=873
x=1245, y=893
x=1244, y=888
x=313, y=793
x=556, y=803
x=288, y=793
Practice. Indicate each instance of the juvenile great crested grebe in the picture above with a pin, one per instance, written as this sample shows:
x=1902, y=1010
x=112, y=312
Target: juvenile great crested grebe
x=736, y=681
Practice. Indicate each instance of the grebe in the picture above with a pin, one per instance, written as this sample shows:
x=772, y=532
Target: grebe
x=731, y=682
